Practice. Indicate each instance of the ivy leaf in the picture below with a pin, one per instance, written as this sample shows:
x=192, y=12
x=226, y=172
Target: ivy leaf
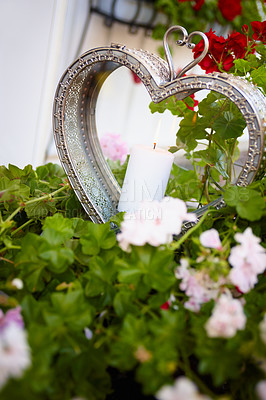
x=248, y=202
x=89, y=245
x=229, y=364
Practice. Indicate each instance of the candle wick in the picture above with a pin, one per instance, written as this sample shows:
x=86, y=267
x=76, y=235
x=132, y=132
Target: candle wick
x=154, y=145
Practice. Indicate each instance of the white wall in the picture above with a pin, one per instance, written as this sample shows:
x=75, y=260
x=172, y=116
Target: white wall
x=38, y=40
x=31, y=37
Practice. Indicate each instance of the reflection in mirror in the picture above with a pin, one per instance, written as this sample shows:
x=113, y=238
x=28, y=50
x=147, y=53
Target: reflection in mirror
x=209, y=138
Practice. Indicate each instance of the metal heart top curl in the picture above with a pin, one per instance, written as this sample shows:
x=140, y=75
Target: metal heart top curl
x=75, y=128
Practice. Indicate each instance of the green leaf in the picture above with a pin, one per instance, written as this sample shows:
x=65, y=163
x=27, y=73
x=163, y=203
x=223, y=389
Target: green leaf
x=29, y=262
x=58, y=259
x=19, y=173
x=176, y=107
x=95, y=286
x=57, y=229
x=228, y=126
x=69, y=309
x=90, y=245
x=99, y=237
x=103, y=270
x=39, y=209
x=42, y=172
x=209, y=105
x=229, y=365
x=259, y=77
x=191, y=128
x=248, y=202
x=183, y=184
x=242, y=66
x=13, y=189
x=123, y=303
x=214, y=158
x=80, y=227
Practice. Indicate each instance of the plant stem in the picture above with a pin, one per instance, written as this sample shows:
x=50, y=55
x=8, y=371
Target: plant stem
x=7, y=260
x=47, y=196
x=11, y=247
x=176, y=245
x=21, y=227
x=194, y=377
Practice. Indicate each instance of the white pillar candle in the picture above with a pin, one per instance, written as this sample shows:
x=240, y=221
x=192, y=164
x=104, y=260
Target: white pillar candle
x=146, y=177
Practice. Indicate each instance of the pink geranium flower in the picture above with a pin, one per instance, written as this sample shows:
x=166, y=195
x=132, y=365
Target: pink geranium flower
x=227, y=317
x=12, y=315
x=211, y=239
x=114, y=147
x=248, y=261
x=197, y=285
x=14, y=350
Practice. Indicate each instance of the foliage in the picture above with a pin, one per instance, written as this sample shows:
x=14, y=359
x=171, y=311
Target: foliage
x=76, y=277
x=198, y=14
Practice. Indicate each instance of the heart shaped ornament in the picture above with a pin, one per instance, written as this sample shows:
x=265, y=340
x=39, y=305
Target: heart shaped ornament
x=74, y=113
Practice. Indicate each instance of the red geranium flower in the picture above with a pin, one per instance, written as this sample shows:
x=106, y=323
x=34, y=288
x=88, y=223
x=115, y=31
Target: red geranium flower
x=245, y=29
x=259, y=29
x=165, y=306
x=228, y=62
x=230, y=8
x=237, y=43
x=222, y=52
x=216, y=52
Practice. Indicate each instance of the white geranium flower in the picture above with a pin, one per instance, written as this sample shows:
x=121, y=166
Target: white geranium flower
x=14, y=353
x=17, y=283
x=154, y=223
x=261, y=390
x=227, y=317
x=183, y=389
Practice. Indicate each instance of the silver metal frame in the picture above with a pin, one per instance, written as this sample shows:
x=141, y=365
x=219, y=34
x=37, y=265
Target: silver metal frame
x=75, y=128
